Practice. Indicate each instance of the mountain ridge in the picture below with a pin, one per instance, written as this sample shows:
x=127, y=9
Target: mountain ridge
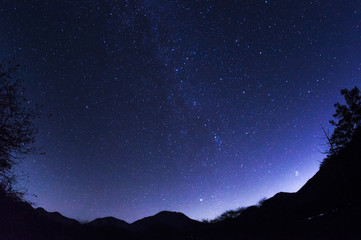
x=326, y=206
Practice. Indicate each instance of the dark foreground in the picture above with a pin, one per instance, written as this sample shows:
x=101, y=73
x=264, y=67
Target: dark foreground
x=326, y=207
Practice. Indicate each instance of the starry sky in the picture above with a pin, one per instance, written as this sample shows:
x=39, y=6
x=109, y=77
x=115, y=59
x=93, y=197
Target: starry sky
x=191, y=106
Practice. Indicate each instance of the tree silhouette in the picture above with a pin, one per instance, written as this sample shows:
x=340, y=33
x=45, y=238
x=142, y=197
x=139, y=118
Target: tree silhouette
x=228, y=215
x=17, y=132
x=349, y=120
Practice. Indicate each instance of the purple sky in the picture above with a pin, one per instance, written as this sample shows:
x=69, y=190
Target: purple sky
x=191, y=106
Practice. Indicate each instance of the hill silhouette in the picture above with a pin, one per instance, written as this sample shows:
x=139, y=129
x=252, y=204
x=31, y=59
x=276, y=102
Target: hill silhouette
x=326, y=207
x=175, y=220
x=109, y=221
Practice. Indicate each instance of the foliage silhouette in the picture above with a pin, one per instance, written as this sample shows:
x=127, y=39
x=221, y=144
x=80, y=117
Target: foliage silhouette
x=17, y=131
x=347, y=123
x=326, y=207
x=261, y=202
x=349, y=118
x=228, y=215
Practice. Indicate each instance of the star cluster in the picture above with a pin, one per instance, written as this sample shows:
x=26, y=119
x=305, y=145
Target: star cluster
x=191, y=106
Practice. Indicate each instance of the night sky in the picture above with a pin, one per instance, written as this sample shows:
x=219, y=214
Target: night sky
x=191, y=106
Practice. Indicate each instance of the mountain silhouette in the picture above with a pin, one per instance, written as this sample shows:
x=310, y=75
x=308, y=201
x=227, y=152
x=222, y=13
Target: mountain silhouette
x=55, y=217
x=109, y=221
x=175, y=220
x=166, y=225
x=19, y=220
x=328, y=206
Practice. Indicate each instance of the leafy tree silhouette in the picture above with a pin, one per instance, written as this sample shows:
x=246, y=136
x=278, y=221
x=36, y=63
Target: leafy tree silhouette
x=228, y=215
x=349, y=120
x=17, y=132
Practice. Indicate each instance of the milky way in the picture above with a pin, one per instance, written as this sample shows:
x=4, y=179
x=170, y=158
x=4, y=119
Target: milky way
x=191, y=106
